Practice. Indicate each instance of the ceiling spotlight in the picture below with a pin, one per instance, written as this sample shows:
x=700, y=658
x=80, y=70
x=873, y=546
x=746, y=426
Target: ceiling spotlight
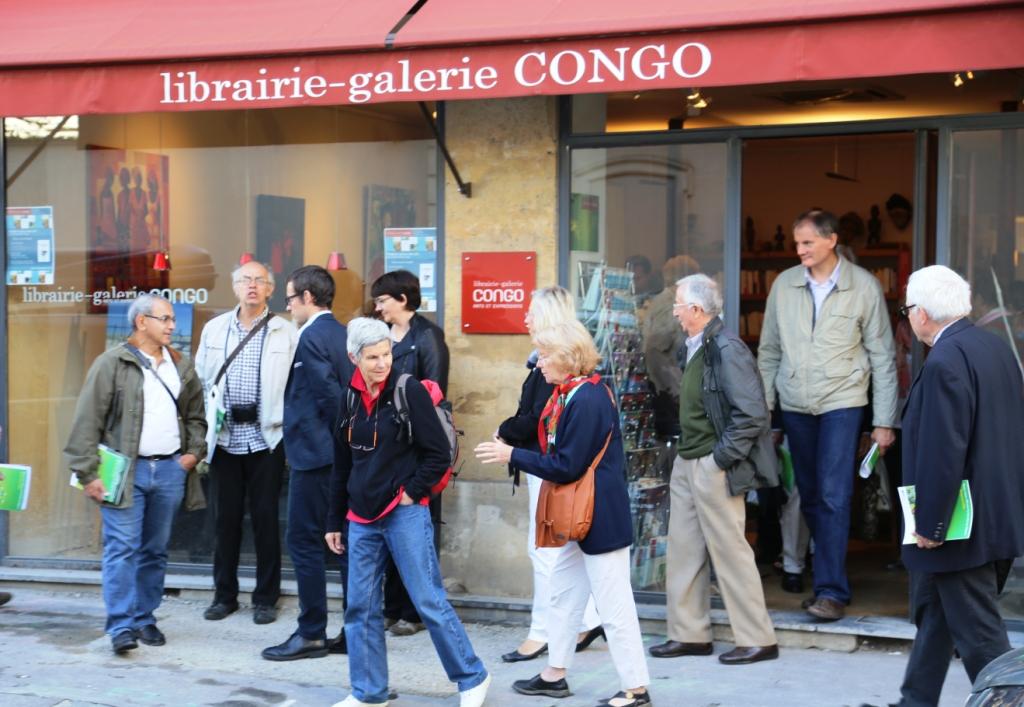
x=693, y=95
x=701, y=102
x=636, y=96
x=970, y=75
x=958, y=80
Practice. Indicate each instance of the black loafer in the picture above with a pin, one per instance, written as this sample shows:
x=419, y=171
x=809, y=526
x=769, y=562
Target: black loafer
x=675, y=649
x=296, y=648
x=590, y=637
x=150, y=635
x=262, y=614
x=792, y=583
x=219, y=610
x=517, y=657
x=124, y=642
x=538, y=686
x=741, y=655
x=340, y=645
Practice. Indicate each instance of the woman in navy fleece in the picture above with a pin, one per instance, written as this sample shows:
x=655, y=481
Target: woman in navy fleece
x=579, y=419
x=381, y=483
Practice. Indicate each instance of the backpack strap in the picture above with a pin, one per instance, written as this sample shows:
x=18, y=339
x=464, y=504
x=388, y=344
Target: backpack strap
x=402, y=408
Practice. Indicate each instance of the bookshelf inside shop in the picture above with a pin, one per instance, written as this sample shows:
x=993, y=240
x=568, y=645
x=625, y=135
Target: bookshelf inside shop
x=759, y=269
x=608, y=308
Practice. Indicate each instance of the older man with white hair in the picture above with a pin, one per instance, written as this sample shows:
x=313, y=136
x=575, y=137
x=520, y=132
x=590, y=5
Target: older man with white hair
x=962, y=422
x=725, y=450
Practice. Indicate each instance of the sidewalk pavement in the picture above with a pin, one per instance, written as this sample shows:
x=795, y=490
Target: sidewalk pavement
x=53, y=652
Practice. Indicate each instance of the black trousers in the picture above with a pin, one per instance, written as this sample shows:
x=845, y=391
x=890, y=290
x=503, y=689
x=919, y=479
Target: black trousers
x=233, y=478
x=397, y=604
x=952, y=610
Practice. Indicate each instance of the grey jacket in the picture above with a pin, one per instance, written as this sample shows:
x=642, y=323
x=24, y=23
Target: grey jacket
x=734, y=401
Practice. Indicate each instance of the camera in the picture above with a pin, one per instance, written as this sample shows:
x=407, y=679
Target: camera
x=245, y=413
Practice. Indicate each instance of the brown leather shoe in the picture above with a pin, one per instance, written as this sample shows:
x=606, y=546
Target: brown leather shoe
x=674, y=649
x=806, y=603
x=749, y=654
x=826, y=609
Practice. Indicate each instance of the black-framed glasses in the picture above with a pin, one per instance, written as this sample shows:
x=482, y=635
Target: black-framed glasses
x=289, y=298
x=905, y=309
x=361, y=447
x=163, y=318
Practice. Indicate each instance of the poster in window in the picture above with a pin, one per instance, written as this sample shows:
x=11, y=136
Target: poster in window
x=280, y=239
x=583, y=222
x=383, y=207
x=30, y=245
x=128, y=220
x=415, y=250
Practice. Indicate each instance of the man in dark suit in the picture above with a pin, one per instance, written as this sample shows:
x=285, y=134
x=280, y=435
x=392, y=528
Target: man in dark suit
x=963, y=421
x=320, y=372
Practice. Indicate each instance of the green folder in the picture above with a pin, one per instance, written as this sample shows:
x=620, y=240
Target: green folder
x=15, y=487
x=113, y=472
x=960, y=524
x=786, y=469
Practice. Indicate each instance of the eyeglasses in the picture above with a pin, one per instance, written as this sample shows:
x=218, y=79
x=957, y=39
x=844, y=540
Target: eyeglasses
x=382, y=299
x=163, y=318
x=360, y=447
x=905, y=309
x=289, y=298
x=677, y=305
x=250, y=280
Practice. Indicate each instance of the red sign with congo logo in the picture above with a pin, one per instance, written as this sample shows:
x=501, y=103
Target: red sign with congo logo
x=496, y=291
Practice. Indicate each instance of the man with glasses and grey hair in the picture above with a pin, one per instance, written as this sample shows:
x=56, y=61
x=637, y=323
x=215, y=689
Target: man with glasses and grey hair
x=244, y=358
x=962, y=423
x=144, y=400
x=725, y=450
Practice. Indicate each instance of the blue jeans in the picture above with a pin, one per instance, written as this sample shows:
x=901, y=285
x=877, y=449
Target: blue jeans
x=824, y=449
x=135, y=544
x=408, y=535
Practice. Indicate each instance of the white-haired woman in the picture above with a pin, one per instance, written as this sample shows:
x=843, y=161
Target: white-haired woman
x=381, y=483
x=549, y=307
x=578, y=422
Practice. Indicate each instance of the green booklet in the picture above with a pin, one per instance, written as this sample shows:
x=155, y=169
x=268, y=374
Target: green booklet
x=14, y=488
x=960, y=524
x=113, y=472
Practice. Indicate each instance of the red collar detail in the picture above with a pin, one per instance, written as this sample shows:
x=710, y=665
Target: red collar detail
x=359, y=384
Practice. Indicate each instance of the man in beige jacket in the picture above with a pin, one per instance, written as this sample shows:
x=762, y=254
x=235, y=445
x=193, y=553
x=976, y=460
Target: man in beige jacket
x=826, y=338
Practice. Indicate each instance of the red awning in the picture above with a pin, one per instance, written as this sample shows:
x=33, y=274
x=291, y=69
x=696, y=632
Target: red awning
x=116, y=57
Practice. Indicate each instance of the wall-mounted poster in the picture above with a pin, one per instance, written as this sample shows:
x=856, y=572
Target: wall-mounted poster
x=119, y=328
x=128, y=223
x=415, y=250
x=383, y=207
x=30, y=245
x=583, y=222
x=496, y=289
x=280, y=239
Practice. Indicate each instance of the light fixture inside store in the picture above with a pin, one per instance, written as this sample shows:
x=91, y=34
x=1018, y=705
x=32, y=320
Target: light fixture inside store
x=696, y=102
x=161, y=262
x=970, y=75
x=958, y=80
x=247, y=257
x=336, y=261
x=834, y=173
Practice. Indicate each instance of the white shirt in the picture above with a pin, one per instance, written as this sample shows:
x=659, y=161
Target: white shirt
x=313, y=319
x=693, y=344
x=943, y=329
x=160, y=432
x=819, y=291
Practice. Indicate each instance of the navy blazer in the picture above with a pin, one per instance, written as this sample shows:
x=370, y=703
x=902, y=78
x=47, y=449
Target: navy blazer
x=320, y=373
x=964, y=419
x=582, y=429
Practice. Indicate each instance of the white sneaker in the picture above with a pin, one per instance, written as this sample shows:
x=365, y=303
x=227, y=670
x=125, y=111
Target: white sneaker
x=474, y=696
x=353, y=701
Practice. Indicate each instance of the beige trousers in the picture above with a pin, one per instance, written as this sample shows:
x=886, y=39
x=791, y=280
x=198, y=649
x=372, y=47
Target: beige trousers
x=706, y=522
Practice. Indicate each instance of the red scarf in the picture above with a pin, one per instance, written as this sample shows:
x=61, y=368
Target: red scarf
x=548, y=423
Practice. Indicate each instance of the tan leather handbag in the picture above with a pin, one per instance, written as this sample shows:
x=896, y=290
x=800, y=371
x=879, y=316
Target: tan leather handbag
x=565, y=512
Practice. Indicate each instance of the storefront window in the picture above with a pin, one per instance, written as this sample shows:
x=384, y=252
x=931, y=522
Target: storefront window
x=172, y=202
x=641, y=218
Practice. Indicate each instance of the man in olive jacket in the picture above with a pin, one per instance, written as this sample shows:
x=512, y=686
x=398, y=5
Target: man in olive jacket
x=725, y=450
x=143, y=400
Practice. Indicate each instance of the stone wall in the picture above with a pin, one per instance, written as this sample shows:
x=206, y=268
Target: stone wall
x=507, y=149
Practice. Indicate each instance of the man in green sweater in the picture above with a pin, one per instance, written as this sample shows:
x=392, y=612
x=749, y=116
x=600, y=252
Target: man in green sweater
x=725, y=450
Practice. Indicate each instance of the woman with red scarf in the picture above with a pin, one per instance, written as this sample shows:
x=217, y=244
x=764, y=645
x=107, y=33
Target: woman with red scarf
x=575, y=424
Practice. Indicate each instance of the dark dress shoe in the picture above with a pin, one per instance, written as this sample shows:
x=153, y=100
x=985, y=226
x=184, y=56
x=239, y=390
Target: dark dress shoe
x=792, y=583
x=753, y=654
x=219, y=610
x=826, y=609
x=516, y=657
x=674, y=649
x=297, y=648
x=338, y=644
x=806, y=603
x=150, y=635
x=591, y=636
x=539, y=686
x=262, y=614
x=124, y=642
